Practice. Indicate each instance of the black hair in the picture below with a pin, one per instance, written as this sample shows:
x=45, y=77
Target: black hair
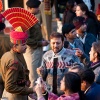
x=88, y=76
x=70, y=4
x=2, y=26
x=33, y=3
x=67, y=28
x=66, y=44
x=73, y=83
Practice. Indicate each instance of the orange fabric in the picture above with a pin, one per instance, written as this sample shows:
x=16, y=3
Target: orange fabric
x=1, y=5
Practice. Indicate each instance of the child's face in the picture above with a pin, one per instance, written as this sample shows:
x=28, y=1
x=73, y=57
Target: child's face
x=98, y=17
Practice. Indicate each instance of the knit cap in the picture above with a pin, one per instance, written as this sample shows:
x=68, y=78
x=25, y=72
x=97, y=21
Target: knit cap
x=67, y=28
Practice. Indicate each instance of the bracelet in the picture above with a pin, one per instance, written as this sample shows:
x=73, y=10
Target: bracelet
x=44, y=93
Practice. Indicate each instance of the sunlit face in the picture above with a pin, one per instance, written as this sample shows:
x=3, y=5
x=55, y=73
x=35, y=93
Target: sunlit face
x=92, y=55
x=81, y=30
x=21, y=48
x=79, y=12
x=83, y=86
x=62, y=85
x=98, y=17
x=33, y=10
x=56, y=44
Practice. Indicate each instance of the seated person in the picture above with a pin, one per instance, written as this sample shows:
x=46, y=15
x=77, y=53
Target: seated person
x=94, y=61
x=90, y=88
x=70, y=85
x=69, y=33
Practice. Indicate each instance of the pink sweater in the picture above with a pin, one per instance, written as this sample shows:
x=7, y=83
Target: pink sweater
x=74, y=96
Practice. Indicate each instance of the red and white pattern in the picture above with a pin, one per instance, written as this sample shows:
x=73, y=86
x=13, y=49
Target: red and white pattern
x=20, y=17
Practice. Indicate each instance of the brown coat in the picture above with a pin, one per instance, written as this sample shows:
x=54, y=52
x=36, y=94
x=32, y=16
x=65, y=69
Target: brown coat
x=15, y=75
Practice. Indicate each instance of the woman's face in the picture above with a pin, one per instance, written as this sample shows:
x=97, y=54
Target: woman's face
x=92, y=55
x=79, y=12
x=62, y=85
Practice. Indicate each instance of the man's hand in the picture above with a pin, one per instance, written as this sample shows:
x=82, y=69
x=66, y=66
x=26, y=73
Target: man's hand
x=57, y=19
x=78, y=52
x=32, y=96
x=39, y=70
x=28, y=83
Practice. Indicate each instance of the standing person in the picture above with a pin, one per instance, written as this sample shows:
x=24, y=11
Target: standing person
x=90, y=18
x=86, y=38
x=45, y=17
x=69, y=13
x=14, y=70
x=69, y=33
x=35, y=42
x=4, y=47
x=94, y=61
x=54, y=62
x=90, y=88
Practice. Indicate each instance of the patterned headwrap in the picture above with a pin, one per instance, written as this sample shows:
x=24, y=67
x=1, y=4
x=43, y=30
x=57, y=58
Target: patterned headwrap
x=21, y=20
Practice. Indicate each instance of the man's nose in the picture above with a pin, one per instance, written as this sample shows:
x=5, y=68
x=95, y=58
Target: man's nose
x=55, y=44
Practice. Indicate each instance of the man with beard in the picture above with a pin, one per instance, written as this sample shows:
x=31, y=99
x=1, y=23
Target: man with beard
x=54, y=63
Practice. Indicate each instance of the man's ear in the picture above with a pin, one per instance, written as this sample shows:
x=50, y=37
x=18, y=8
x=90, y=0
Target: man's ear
x=66, y=35
x=84, y=82
x=84, y=12
x=95, y=54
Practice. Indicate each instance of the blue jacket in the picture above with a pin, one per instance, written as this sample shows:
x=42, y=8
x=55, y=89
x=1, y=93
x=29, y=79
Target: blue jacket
x=93, y=92
x=90, y=38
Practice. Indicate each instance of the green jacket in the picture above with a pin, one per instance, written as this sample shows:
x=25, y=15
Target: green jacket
x=35, y=36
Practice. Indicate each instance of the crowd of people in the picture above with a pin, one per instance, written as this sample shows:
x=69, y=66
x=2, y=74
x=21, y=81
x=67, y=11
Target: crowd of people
x=69, y=70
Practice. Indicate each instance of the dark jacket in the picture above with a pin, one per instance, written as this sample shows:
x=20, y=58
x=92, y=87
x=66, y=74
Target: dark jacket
x=93, y=4
x=68, y=17
x=35, y=36
x=88, y=43
x=92, y=27
x=60, y=6
x=93, y=92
